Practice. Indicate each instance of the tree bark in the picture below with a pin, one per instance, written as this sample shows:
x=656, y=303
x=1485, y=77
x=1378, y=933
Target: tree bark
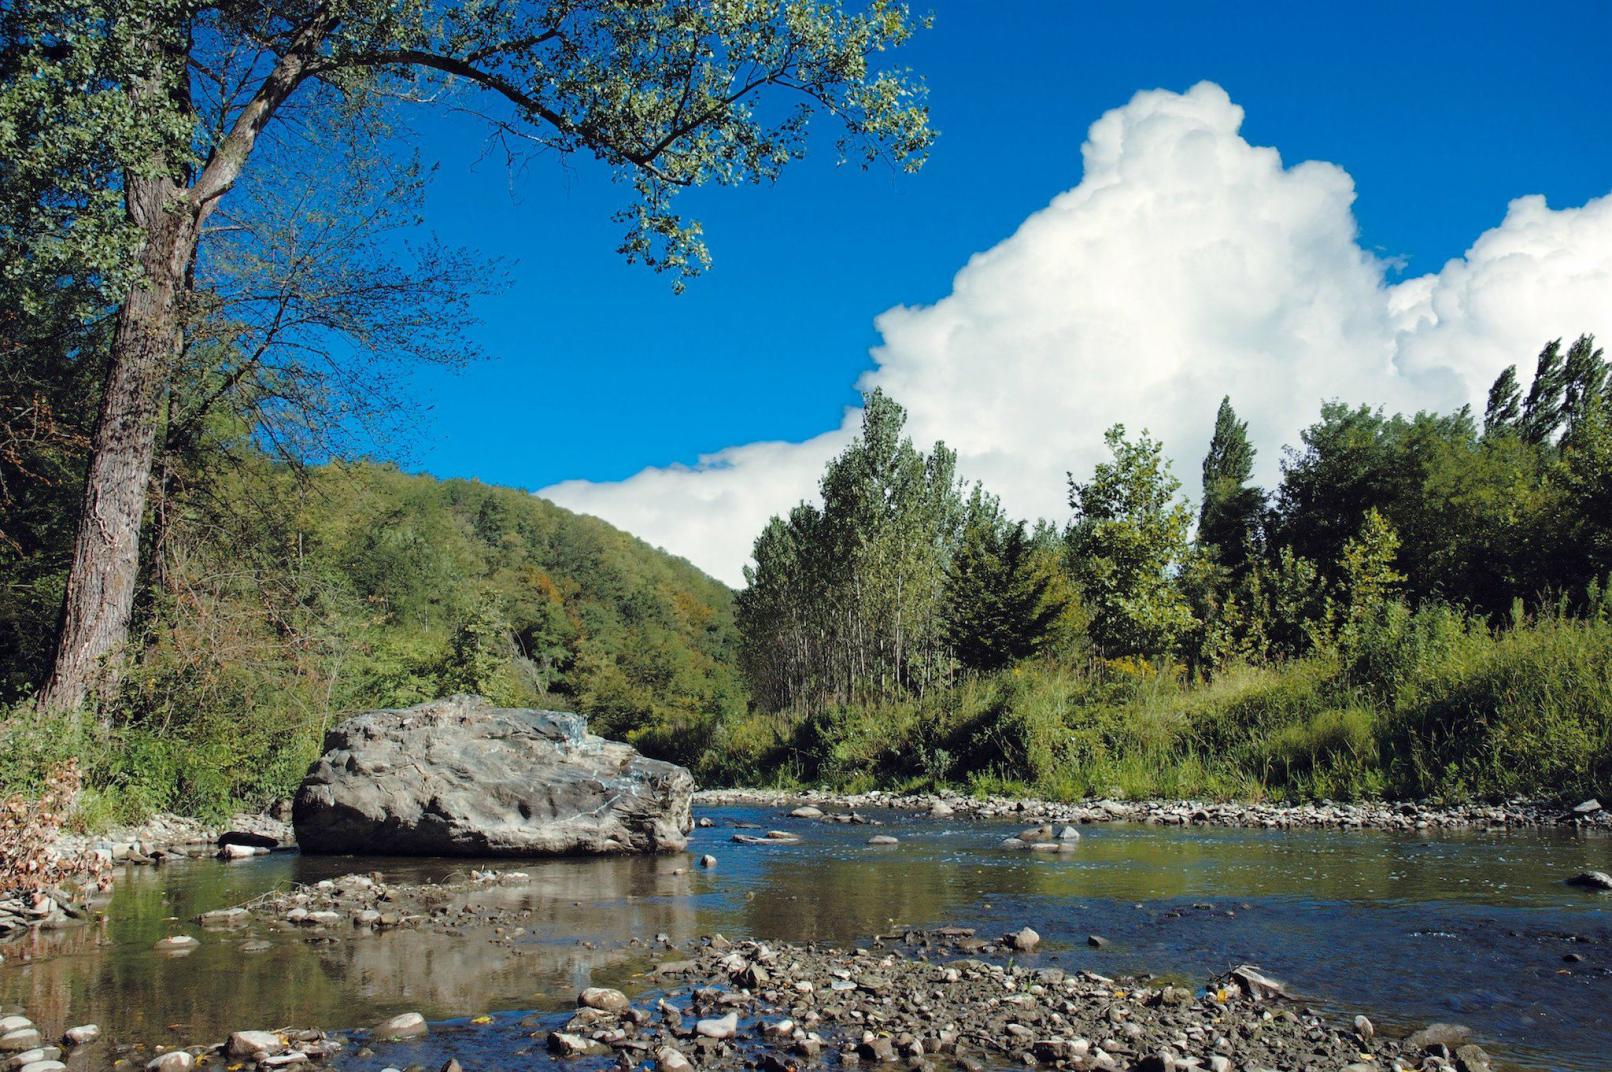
x=106, y=549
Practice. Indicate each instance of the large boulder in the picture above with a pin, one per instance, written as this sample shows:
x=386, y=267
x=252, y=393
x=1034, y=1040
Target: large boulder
x=459, y=777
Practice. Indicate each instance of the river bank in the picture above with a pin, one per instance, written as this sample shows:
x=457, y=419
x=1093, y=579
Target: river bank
x=1379, y=815
x=927, y=999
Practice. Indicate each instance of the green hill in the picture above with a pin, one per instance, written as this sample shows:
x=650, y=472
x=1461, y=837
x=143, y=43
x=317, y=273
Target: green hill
x=278, y=599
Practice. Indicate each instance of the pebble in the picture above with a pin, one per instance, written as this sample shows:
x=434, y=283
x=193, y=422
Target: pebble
x=603, y=999
x=1383, y=815
x=670, y=1059
x=248, y=1043
x=402, y=1026
x=1023, y=940
x=723, y=1027
x=82, y=1036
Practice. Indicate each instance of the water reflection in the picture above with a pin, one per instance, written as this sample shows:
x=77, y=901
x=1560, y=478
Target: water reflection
x=1471, y=928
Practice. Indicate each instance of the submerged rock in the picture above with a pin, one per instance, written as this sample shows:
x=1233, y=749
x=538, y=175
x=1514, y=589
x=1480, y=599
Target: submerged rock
x=460, y=777
x=1592, y=880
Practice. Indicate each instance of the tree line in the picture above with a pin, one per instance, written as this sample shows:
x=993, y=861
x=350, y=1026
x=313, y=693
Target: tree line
x=904, y=578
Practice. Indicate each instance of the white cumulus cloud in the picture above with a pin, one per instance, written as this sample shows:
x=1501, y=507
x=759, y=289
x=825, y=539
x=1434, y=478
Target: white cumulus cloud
x=1186, y=264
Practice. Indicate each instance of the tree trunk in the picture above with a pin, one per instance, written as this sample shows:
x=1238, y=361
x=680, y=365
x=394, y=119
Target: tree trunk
x=106, y=549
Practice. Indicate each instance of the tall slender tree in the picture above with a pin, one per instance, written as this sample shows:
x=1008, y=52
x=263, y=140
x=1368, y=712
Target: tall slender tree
x=1504, y=408
x=1542, y=413
x=1228, y=522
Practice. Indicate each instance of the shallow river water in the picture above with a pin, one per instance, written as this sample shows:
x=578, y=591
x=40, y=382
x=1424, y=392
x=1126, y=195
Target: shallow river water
x=1409, y=929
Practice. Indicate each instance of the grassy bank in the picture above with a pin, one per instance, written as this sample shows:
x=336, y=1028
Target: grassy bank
x=1430, y=704
x=1410, y=705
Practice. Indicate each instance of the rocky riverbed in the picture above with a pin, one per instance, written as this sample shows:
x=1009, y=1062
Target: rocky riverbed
x=941, y=999
x=1372, y=815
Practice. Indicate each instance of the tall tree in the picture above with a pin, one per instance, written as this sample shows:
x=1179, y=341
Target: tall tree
x=1128, y=536
x=847, y=601
x=1504, y=408
x=1542, y=410
x=1000, y=604
x=1584, y=388
x=1228, y=522
x=133, y=120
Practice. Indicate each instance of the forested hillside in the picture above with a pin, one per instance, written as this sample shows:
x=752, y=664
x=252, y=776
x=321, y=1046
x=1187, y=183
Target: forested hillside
x=278, y=599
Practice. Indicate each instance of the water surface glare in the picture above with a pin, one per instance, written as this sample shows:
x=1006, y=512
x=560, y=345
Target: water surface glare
x=1472, y=928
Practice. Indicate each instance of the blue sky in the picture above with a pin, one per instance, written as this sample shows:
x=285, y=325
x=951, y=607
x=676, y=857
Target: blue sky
x=1441, y=112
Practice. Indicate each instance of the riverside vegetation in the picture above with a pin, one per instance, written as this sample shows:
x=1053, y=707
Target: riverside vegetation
x=208, y=305
x=1419, y=610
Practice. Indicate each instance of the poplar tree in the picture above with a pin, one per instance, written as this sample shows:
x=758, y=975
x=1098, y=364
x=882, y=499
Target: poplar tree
x=1228, y=523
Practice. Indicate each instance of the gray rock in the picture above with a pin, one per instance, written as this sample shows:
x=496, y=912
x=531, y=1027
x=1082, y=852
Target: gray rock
x=1449, y=1036
x=1588, y=807
x=402, y=1026
x=603, y=999
x=1023, y=940
x=1592, y=880
x=878, y=1048
x=172, y=1061
x=883, y=839
x=1364, y=1028
x=81, y=1036
x=566, y=1044
x=670, y=1059
x=24, y=1038
x=1257, y=984
x=460, y=777
x=28, y=1057
x=1472, y=1058
x=707, y=861
x=42, y=1066
x=723, y=1027
x=233, y=851
x=249, y=838
x=247, y=1043
x=805, y=811
x=176, y=943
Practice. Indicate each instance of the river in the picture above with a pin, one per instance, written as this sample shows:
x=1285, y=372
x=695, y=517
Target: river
x=1475, y=928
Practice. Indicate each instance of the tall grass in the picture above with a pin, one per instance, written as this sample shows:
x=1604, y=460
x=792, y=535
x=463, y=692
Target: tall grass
x=1421, y=704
